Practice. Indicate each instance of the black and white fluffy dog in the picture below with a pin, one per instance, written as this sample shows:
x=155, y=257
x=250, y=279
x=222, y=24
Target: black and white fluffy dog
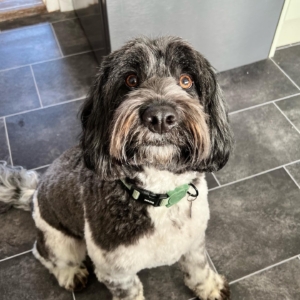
x=153, y=123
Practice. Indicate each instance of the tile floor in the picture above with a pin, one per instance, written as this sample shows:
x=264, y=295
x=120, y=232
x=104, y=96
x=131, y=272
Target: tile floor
x=254, y=232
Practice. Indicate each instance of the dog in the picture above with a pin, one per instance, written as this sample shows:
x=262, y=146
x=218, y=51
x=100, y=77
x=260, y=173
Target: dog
x=133, y=195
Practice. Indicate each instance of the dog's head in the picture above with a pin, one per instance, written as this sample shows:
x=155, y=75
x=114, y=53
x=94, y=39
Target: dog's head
x=155, y=103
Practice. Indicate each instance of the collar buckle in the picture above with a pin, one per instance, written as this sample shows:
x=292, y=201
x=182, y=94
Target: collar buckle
x=149, y=197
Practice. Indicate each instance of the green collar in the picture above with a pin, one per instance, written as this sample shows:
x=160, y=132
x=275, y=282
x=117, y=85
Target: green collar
x=168, y=199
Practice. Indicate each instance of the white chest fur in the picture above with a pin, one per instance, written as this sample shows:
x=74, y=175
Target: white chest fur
x=175, y=231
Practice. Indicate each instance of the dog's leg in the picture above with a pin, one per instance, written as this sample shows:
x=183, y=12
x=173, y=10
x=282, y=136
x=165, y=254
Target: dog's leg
x=123, y=287
x=200, y=278
x=62, y=255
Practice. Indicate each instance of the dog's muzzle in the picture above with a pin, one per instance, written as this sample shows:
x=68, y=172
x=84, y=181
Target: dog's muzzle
x=160, y=118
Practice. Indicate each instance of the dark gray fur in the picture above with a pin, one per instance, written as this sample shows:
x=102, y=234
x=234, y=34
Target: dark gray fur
x=68, y=185
x=41, y=245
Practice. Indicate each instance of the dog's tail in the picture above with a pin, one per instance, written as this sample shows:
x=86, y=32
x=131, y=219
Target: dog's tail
x=17, y=186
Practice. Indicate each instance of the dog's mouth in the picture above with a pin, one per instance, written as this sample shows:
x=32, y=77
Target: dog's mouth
x=160, y=150
x=156, y=154
x=157, y=140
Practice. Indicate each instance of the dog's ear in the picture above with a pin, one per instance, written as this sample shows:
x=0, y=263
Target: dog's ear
x=221, y=137
x=95, y=119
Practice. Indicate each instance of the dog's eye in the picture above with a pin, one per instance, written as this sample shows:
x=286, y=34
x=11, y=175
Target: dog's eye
x=185, y=81
x=132, y=81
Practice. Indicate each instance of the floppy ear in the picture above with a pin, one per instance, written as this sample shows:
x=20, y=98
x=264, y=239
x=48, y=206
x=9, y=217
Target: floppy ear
x=95, y=119
x=221, y=137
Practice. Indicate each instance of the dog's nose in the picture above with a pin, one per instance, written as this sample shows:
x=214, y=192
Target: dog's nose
x=160, y=118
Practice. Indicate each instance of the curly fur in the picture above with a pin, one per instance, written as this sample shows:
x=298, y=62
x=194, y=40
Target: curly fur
x=80, y=204
x=17, y=185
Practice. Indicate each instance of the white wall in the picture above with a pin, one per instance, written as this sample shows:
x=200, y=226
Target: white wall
x=290, y=31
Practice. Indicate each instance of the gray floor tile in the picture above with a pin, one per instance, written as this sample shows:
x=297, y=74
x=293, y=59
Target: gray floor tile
x=4, y=153
x=71, y=37
x=211, y=181
x=38, y=137
x=159, y=283
x=291, y=108
x=18, y=92
x=294, y=170
x=164, y=283
x=264, y=140
x=24, y=277
x=280, y=282
x=37, y=19
x=254, y=84
x=254, y=224
x=289, y=60
x=65, y=79
x=27, y=45
x=17, y=232
x=4, y=207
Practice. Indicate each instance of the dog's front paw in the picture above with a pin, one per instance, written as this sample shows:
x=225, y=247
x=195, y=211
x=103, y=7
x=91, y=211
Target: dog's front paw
x=79, y=281
x=215, y=288
x=73, y=278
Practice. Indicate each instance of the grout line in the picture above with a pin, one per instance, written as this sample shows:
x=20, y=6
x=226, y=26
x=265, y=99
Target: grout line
x=73, y=296
x=46, y=106
x=49, y=60
x=291, y=163
x=56, y=39
x=211, y=262
x=8, y=144
x=26, y=111
x=37, y=168
x=264, y=269
x=292, y=81
x=36, y=87
x=287, y=118
x=248, y=108
x=287, y=97
x=7, y=258
x=254, y=175
x=13, y=68
x=216, y=179
x=262, y=104
x=5, y=31
x=57, y=21
x=291, y=177
x=245, y=178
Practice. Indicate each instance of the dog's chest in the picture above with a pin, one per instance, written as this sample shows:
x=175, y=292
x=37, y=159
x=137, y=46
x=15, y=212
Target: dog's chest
x=175, y=232
x=174, y=235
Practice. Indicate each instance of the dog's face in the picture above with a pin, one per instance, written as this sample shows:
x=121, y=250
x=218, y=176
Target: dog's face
x=155, y=103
